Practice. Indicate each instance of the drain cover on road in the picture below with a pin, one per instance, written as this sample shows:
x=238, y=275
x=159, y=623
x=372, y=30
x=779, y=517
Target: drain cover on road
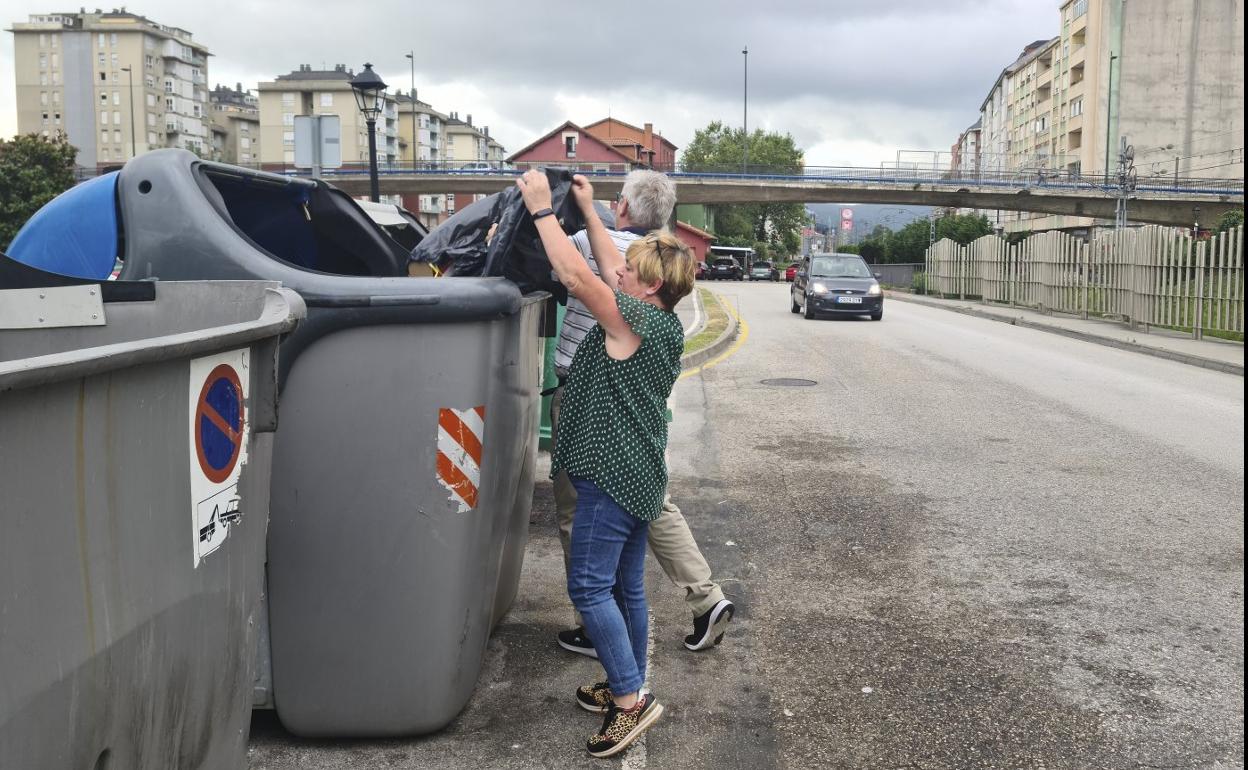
x=790, y=382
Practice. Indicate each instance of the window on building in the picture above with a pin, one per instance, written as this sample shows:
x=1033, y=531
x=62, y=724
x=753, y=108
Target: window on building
x=116, y=97
x=43, y=40
x=569, y=145
x=1076, y=107
x=151, y=119
x=56, y=97
x=103, y=77
x=103, y=97
x=151, y=138
x=45, y=118
x=112, y=59
x=288, y=156
x=148, y=61
x=288, y=138
x=43, y=98
x=117, y=136
x=116, y=117
x=56, y=78
x=56, y=118
x=99, y=40
x=288, y=98
x=56, y=40
x=43, y=61
x=244, y=142
x=149, y=81
x=1080, y=8
x=151, y=100
x=288, y=119
x=168, y=105
x=112, y=39
x=43, y=78
x=103, y=137
x=101, y=58
x=327, y=99
x=168, y=86
x=103, y=117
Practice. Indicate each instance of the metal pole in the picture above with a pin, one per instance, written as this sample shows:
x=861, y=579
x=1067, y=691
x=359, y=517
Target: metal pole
x=1109, y=104
x=373, y=185
x=745, y=111
x=412, y=57
x=130, y=78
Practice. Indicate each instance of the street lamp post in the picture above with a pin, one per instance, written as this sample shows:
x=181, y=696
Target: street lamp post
x=745, y=111
x=370, y=97
x=130, y=77
x=1109, y=106
x=412, y=57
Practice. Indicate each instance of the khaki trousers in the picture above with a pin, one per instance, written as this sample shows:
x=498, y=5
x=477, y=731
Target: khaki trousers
x=670, y=540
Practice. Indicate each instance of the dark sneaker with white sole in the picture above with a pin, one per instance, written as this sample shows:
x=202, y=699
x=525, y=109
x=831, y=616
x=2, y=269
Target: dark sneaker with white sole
x=575, y=640
x=708, y=628
x=623, y=726
x=594, y=697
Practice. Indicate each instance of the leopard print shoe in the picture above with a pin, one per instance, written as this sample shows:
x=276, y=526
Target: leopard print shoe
x=594, y=697
x=623, y=726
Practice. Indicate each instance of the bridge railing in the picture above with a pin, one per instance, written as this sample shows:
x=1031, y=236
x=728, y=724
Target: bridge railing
x=1033, y=180
x=1145, y=276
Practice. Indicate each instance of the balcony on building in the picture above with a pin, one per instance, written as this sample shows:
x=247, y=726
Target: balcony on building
x=1074, y=137
x=1076, y=73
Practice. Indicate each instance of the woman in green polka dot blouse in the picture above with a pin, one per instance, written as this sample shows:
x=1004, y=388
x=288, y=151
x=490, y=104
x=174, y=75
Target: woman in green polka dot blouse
x=612, y=435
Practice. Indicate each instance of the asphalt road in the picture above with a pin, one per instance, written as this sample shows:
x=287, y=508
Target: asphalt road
x=966, y=545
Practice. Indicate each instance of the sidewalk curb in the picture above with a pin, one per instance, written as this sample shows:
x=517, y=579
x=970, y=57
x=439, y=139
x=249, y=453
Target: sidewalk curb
x=1134, y=347
x=699, y=357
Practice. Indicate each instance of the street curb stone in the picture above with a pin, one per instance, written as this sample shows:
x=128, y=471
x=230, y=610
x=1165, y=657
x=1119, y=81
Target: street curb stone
x=1134, y=347
x=699, y=357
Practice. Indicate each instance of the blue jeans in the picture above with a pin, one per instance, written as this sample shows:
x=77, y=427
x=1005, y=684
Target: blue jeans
x=606, y=583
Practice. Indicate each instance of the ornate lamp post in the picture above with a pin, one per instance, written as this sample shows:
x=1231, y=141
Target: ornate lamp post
x=370, y=97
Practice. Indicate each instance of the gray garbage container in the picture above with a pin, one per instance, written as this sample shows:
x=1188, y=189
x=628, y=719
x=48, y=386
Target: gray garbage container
x=403, y=468
x=135, y=448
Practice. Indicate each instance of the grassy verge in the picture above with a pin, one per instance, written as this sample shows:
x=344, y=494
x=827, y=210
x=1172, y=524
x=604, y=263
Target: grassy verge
x=716, y=322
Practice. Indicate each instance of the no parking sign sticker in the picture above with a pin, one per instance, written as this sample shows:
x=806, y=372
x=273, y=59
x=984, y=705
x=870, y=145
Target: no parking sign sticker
x=218, y=435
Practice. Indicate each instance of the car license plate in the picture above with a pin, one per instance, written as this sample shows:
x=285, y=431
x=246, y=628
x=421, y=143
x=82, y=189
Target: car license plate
x=849, y=300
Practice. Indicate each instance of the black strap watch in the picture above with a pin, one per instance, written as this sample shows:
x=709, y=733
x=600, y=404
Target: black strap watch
x=547, y=212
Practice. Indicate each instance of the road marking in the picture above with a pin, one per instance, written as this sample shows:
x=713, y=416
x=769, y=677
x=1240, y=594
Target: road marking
x=743, y=334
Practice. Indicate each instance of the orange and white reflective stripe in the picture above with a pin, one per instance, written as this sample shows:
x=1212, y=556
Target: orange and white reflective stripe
x=461, y=433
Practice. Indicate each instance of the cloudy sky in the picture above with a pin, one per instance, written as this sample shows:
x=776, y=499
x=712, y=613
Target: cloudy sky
x=852, y=81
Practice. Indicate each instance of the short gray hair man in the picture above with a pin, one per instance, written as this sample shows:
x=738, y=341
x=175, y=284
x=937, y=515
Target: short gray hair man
x=649, y=198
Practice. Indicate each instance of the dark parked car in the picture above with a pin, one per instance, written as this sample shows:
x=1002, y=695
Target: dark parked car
x=725, y=267
x=762, y=270
x=836, y=284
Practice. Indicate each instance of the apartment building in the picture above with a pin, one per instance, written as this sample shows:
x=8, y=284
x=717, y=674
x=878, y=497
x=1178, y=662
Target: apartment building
x=235, y=115
x=422, y=140
x=116, y=83
x=306, y=91
x=1167, y=75
x=465, y=142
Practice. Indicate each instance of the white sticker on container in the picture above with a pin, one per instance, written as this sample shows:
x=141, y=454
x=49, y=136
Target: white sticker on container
x=219, y=433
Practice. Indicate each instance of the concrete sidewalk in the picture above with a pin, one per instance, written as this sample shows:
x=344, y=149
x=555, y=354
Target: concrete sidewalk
x=1210, y=353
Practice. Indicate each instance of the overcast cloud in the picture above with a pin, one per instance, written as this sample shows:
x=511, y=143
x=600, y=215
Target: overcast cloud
x=852, y=81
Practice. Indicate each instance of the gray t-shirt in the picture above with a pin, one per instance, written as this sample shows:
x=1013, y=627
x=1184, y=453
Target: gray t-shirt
x=577, y=320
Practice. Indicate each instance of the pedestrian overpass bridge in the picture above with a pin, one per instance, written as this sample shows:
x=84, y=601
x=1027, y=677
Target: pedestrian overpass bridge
x=1157, y=200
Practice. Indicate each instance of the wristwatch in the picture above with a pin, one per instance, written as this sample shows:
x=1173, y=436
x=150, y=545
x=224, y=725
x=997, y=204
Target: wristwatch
x=547, y=212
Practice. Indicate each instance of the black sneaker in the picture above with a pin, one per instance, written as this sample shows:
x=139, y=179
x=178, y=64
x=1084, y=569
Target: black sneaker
x=708, y=628
x=621, y=727
x=594, y=697
x=575, y=640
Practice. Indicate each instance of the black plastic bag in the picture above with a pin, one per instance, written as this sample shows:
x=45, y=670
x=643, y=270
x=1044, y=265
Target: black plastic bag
x=458, y=244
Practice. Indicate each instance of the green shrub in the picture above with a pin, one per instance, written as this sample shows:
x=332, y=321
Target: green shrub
x=918, y=284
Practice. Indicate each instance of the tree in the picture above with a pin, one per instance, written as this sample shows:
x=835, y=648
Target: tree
x=721, y=149
x=1232, y=218
x=33, y=170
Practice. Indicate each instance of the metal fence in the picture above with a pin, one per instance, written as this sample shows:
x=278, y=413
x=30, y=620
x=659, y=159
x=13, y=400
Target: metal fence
x=1147, y=276
x=897, y=273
